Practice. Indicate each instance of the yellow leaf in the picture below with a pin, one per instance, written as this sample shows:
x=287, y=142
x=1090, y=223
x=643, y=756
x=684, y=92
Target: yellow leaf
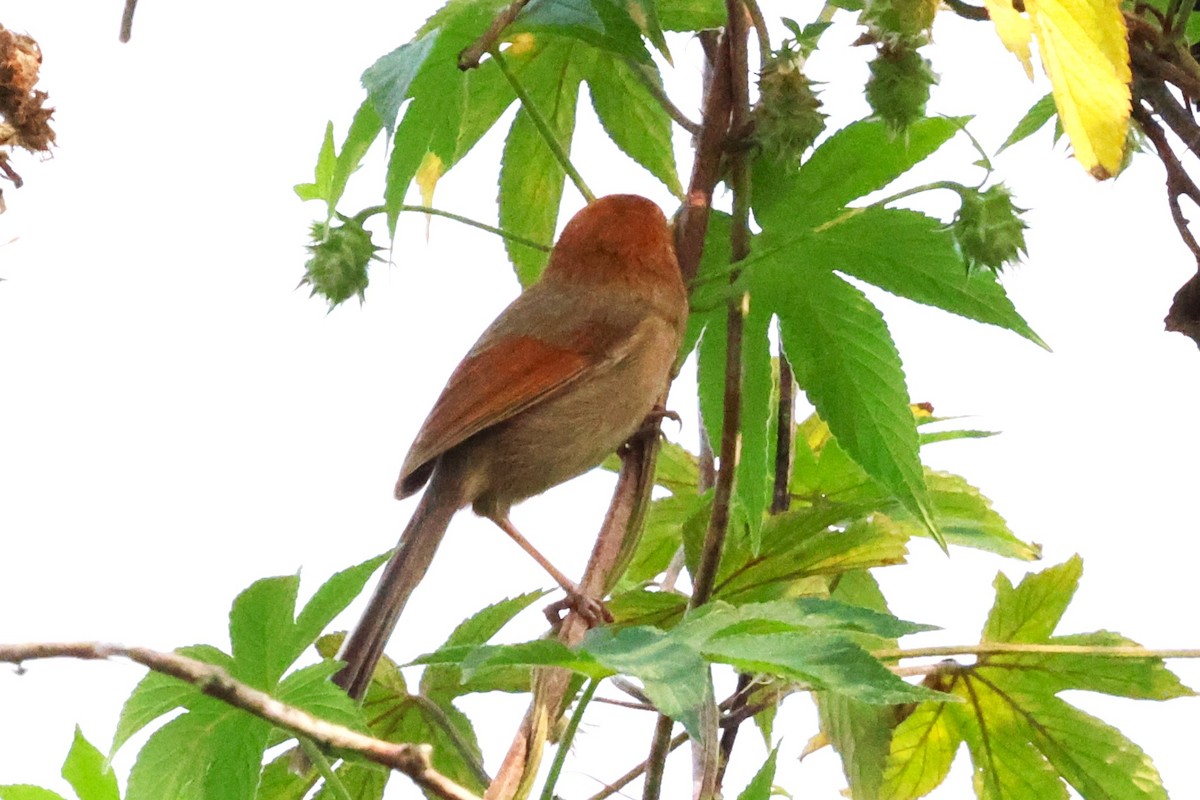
x=1014, y=29
x=521, y=44
x=1085, y=53
x=427, y=176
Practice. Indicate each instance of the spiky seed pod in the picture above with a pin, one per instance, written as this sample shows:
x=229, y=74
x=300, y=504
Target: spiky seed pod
x=898, y=88
x=899, y=19
x=337, y=266
x=989, y=228
x=787, y=118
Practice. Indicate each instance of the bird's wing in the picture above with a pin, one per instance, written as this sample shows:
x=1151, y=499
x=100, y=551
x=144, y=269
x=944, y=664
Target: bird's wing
x=495, y=384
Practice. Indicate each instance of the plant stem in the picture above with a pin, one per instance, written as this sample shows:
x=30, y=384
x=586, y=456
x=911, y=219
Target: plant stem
x=656, y=762
x=925, y=187
x=650, y=80
x=437, y=212
x=1002, y=648
x=318, y=759
x=543, y=126
x=564, y=744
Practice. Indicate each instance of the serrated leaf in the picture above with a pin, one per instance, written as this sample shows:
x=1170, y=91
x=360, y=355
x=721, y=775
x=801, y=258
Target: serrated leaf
x=88, y=771
x=1095, y=758
x=674, y=676
x=313, y=690
x=645, y=14
x=445, y=682
x=797, y=545
x=332, y=598
x=1007, y=765
x=25, y=791
x=753, y=480
x=662, y=536
x=921, y=752
x=280, y=782
x=632, y=117
x=908, y=254
x=760, y=785
x=826, y=661
x=387, y=81
x=261, y=629
x=857, y=160
x=1034, y=120
x=860, y=734
x=157, y=694
x=1031, y=611
x=1014, y=30
x=322, y=183
x=605, y=24
x=691, y=15
x=531, y=178
x=1139, y=678
x=966, y=518
x=846, y=362
x=1084, y=49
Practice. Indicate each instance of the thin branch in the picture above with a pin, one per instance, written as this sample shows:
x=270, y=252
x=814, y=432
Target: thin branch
x=371, y=211
x=469, y=57
x=1178, y=181
x=785, y=437
x=127, y=20
x=968, y=11
x=650, y=80
x=760, y=30
x=412, y=760
x=629, y=777
x=317, y=758
x=1004, y=648
x=564, y=744
x=543, y=125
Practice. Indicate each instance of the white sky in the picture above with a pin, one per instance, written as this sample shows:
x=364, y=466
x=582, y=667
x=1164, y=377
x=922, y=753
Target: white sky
x=179, y=421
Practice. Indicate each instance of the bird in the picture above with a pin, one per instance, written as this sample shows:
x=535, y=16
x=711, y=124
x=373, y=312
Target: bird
x=572, y=369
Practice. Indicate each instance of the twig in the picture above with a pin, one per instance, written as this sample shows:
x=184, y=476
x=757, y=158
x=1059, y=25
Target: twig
x=543, y=125
x=785, y=437
x=469, y=57
x=412, y=760
x=629, y=777
x=968, y=11
x=1008, y=648
x=760, y=30
x=1178, y=181
x=127, y=20
x=317, y=758
x=649, y=80
x=564, y=744
x=371, y=211
x=655, y=764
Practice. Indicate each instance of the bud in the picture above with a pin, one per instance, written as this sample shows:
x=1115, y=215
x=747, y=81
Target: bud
x=787, y=118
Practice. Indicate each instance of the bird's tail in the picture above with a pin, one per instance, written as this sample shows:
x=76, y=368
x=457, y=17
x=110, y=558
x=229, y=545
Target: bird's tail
x=404, y=571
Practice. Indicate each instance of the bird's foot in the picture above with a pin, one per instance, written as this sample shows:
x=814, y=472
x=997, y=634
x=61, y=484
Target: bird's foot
x=591, y=610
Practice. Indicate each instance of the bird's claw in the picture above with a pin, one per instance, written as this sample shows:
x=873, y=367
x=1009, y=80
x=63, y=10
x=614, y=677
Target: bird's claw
x=590, y=610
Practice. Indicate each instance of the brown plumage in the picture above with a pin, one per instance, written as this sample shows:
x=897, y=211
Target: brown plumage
x=565, y=375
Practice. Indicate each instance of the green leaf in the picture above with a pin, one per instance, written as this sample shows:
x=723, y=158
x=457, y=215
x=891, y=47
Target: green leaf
x=857, y=160
x=674, y=676
x=312, y=689
x=632, y=117
x=753, y=482
x=1095, y=758
x=645, y=14
x=531, y=179
x=1139, y=678
x=25, y=791
x=846, y=362
x=966, y=518
x=760, y=785
x=279, y=782
x=88, y=771
x=157, y=694
x=442, y=683
x=826, y=661
x=261, y=629
x=387, y=81
x=1030, y=612
x=662, y=535
x=910, y=255
x=1037, y=116
x=201, y=754
x=860, y=734
x=331, y=599
x=1007, y=765
x=321, y=187
x=691, y=15
x=921, y=752
x=800, y=614
x=605, y=24
x=641, y=607
x=798, y=545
